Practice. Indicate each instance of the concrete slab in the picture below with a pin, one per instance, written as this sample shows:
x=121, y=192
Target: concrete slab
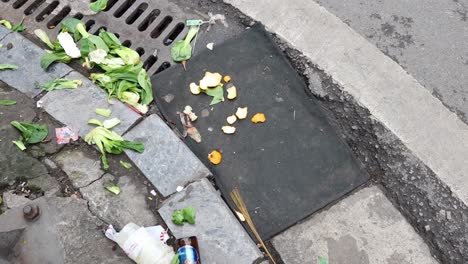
x=64, y=105
x=27, y=56
x=81, y=168
x=361, y=229
x=167, y=162
x=221, y=238
x=119, y=210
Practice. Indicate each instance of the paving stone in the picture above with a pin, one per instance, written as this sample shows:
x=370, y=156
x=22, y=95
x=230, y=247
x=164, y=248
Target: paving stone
x=221, y=238
x=72, y=233
x=119, y=210
x=3, y=32
x=15, y=163
x=74, y=107
x=47, y=183
x=361, y=229
x=27, y=56
x=167, y=162
x=81, y=168
x=13, y=200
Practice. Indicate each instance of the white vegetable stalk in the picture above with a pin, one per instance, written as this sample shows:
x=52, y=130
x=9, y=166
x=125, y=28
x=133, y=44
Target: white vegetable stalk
x=69, y=45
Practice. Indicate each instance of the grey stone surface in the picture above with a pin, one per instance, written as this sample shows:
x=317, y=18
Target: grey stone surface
x=363, y=228
x=119, y=210
x=167, y=162
x=12, y=200
x=3, y=32
x=66, y=232
x=74, y=107
x=27, y=56
x=15, y=163
x=48, y=184
x=221, y=238
x=82, y=168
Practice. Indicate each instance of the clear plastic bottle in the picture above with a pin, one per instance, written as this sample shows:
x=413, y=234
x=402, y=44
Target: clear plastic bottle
x=142, y=247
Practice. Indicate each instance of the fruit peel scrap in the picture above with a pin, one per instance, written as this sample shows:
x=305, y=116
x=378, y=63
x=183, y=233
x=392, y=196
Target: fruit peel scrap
x=231, y=119
x=259, y=118
x=211, y=79
x=215, y=157
x=228, y=130
x=232, y=92
x=194, y=88
x=241, y=112
x=188, y=111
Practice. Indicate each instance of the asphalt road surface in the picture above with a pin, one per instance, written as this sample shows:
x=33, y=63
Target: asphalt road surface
x=427, y=38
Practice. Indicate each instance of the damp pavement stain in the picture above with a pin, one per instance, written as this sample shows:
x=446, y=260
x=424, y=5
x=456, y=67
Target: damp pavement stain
x=363, y=228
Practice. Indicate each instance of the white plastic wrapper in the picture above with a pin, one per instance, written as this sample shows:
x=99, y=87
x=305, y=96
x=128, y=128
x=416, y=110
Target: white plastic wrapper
x=143, y=245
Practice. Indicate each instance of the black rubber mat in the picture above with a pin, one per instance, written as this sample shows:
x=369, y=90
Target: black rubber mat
x=286, y=168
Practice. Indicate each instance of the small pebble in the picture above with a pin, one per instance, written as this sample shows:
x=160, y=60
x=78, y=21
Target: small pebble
x=168, y=98
x=449, y=215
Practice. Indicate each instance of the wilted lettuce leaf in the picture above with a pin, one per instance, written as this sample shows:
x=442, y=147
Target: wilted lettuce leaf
x=217, y=93
x=48, y=58
x=98, y=5
x=8, y=67
x=32, y=133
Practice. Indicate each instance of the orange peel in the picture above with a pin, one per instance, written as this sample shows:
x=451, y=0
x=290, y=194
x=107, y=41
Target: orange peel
x=259, y=118
x=215, y=157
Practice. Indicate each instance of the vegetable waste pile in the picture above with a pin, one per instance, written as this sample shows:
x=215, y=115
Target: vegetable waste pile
x=245, y=112
x=122, y=76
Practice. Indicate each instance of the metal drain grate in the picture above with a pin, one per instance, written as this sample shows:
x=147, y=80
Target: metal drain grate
x=149, y=27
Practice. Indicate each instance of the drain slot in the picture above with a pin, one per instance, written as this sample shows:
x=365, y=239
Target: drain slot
x=123, y=8
x=59, y=17
x=174, y=34
x=33, y=7
x=127, y=43
x=89, y=24
x=46, y=12
x=78, y=16
x=149, y=19
x=19, y=3
x=161, y=27
x=149, y=62
x=110, y=4
x=137, y=13
x=140, y=51
x=165, y=65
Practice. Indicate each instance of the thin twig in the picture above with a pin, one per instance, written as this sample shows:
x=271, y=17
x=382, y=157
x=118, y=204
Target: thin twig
x=237, y=198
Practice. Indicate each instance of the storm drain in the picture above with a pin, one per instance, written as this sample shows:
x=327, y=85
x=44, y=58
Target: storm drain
x=148, y=27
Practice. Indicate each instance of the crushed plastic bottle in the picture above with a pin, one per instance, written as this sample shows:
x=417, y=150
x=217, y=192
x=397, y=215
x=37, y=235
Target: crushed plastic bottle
x=140, y=245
